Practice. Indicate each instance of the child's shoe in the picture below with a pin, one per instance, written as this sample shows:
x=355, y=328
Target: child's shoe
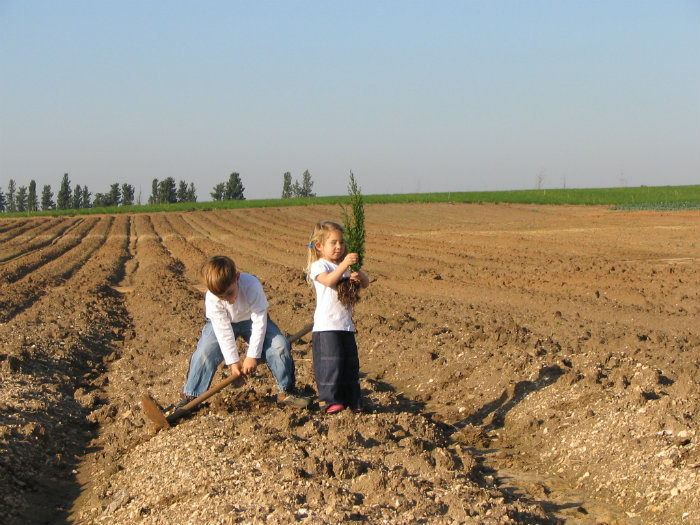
x=293, y=400
x=334, y=408
x=184, y=400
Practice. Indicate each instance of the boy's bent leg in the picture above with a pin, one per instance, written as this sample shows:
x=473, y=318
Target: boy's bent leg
x=203, y=363
x=278, y=356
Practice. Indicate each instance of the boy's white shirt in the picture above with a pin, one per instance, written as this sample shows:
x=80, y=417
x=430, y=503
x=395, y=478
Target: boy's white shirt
x=330, y=314
x=252, y=304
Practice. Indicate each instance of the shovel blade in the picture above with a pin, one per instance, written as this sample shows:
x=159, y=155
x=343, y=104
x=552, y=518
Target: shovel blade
x=154, y=413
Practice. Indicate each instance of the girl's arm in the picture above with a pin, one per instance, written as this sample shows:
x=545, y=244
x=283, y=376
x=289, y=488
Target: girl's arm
x=330, y=279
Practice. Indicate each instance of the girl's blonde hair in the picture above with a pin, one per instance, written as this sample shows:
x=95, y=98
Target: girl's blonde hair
x=318, y=236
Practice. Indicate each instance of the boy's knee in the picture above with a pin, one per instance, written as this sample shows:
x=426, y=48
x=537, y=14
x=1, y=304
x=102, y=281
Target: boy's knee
x=279, y=345
x=210, y=354
x=201, y=360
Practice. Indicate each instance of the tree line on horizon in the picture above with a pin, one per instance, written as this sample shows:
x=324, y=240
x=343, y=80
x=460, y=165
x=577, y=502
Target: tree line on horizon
x=166, y=191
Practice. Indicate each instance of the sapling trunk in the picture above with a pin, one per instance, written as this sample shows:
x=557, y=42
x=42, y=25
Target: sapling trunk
x=354, y=226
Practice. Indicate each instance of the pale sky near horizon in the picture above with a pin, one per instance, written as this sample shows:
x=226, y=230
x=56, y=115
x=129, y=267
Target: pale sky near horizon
x=412, y=96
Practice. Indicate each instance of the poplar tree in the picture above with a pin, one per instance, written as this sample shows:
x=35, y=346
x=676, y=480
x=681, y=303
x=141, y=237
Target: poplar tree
x=63, y=199
x=167, y=192
x=234, y=188
x=306, y=185
x=85, y=200
x=21, y=199
x=218, y=192
x=11, y=189
x=32, y=200
x=287, y=185
x=191, y=193
x=153, y=199
x=127, y=195
x=114, y=197
x=47, y=202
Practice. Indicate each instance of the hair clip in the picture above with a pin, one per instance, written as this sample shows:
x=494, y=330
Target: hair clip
x=311, y=245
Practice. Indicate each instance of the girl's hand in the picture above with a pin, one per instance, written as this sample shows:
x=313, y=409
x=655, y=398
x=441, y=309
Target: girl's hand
x=360, y=277
x=331, y=279
x=350, y=259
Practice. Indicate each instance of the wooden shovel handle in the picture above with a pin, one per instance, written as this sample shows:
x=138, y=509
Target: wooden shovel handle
x=206, y=395
x=301, y=333
x=230, y=379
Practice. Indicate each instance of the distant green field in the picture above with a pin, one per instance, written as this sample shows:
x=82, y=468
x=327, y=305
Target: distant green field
x=637, y=198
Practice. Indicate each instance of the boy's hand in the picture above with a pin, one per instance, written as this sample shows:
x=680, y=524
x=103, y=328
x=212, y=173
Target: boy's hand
x=249, y=365
x=236, y=370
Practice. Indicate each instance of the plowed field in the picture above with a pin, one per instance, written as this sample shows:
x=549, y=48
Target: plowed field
x=520, y=364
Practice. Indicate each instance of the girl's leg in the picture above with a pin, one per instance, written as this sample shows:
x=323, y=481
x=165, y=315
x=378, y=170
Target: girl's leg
x=351, y=372
x=204, y=362
x=328, y=362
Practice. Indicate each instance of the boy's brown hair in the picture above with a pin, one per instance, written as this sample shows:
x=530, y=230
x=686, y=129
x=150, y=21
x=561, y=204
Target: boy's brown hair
x=219, y=273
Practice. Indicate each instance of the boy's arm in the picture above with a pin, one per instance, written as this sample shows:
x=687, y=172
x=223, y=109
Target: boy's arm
x=221, y=324
x=226, y=339
x=257, y=337
x=257, y=334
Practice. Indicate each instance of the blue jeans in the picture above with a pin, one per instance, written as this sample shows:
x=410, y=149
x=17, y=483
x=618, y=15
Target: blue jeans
x=207, y=357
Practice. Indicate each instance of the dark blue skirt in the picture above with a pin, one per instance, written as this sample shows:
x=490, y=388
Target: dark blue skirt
x=337, y=369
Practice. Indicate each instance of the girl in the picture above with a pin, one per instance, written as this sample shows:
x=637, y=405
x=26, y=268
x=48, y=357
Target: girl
x=336, y=363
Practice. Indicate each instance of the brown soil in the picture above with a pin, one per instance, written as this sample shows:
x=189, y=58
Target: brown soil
x=520, y=364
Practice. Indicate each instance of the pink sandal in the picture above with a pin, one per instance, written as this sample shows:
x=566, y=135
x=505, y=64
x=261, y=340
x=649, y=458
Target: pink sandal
x=334, y=408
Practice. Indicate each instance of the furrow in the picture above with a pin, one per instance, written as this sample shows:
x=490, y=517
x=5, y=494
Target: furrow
x=22, y=292
x=44, y=234
x=66, y=238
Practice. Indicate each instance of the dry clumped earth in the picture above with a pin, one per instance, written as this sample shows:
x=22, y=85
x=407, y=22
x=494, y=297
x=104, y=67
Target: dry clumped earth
x=520, y=364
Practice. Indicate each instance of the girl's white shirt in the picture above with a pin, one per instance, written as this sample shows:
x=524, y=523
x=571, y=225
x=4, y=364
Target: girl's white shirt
x=329, y=314
x=252, y=304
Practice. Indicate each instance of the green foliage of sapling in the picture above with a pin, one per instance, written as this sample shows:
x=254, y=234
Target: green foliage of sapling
x=354, y=223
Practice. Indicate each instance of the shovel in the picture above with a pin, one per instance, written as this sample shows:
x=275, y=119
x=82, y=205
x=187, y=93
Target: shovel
x=156, y=415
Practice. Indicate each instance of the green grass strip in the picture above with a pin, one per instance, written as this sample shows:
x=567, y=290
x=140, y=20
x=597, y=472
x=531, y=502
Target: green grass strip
x=636, y=198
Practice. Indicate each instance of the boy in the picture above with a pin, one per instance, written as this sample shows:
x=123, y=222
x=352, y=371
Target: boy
x=235, y=305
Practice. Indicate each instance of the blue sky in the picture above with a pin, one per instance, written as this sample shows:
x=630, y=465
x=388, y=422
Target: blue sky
x=412, y=96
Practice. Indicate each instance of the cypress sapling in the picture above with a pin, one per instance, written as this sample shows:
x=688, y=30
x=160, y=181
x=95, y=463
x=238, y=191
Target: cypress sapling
x=354, y=226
